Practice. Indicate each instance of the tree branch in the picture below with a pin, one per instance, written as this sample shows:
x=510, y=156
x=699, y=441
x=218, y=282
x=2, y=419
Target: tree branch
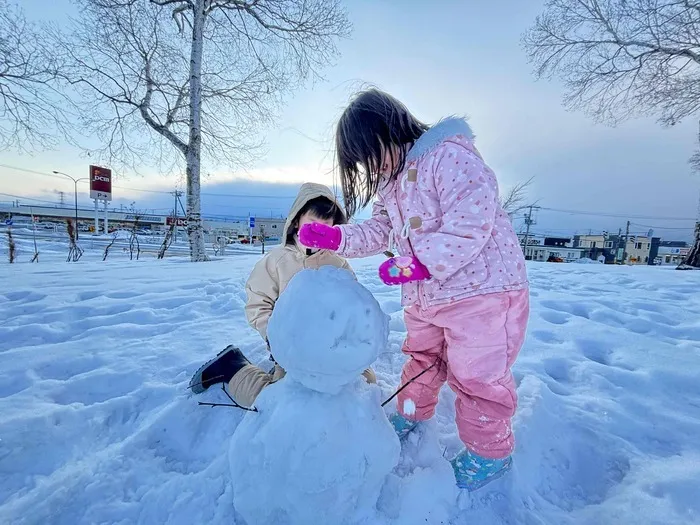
x=514, y=200
x=620, y=58
x=32, y=112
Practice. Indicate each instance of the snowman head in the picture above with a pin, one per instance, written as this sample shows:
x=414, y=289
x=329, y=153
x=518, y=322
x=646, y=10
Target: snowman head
x=326, y=328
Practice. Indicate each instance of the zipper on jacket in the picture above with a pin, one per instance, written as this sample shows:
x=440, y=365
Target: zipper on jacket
x=419, y=284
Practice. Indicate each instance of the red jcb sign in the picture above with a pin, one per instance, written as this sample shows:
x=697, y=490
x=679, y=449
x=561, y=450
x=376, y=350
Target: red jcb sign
x=100, y=183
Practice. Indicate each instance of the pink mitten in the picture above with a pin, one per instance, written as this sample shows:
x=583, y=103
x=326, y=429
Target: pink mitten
x=400, y=270
x=322, y=236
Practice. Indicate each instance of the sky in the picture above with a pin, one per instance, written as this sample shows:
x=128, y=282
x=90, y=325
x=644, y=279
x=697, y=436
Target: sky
x=453, y=57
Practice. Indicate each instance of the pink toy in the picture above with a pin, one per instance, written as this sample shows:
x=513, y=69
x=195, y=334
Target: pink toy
x=401, y=270
x=322, y=236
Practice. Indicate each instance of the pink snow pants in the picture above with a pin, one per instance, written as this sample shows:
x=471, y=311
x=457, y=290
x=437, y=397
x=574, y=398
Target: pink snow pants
x=474, y=343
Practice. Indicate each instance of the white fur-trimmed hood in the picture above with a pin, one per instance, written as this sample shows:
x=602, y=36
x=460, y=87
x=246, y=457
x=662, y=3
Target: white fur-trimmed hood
x=437, y=134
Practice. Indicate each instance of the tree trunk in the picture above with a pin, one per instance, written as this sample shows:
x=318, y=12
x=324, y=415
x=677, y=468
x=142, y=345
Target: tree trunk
x=692, y=262
x=195, y=229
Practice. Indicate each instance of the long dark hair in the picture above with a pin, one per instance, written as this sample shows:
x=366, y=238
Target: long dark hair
x=372, y=123
x=320, y=207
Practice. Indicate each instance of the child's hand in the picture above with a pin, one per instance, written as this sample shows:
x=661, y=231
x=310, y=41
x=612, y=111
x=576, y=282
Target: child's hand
x=400, y=270
x=321, y=236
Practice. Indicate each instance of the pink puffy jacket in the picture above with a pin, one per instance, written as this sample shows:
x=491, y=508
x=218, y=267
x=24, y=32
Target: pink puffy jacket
x=443, y=208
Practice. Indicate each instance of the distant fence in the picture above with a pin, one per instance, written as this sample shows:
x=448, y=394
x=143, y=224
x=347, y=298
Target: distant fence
x=149, y=244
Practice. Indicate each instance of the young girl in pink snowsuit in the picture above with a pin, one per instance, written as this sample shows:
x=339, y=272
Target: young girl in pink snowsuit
x=465, y=289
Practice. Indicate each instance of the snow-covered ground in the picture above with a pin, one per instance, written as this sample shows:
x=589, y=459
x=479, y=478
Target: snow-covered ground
x=97, y=425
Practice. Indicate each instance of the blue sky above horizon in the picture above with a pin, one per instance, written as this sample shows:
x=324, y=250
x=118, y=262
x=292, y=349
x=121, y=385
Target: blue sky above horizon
x=454, y=57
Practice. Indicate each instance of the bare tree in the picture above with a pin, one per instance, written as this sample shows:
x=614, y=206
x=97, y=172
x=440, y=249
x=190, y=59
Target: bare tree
x=515, y=200
x=168, y=239
x=620, y=59
x=36, y=249
x=75, y=252
x=107, y=247
x=199, y=77
x=261, y=235
x=134, y=244
x=31, y=109
x=692, y=261
x=11, y=246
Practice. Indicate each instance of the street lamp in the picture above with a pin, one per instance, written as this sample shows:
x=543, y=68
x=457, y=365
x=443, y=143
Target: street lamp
x=75, y=182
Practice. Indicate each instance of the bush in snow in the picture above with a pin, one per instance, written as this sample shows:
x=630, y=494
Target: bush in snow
x=74, y=252
x=11, y=247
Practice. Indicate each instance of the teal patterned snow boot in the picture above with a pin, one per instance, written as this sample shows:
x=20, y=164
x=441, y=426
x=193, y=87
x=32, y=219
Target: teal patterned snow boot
x=473, y=472
x=402, y=426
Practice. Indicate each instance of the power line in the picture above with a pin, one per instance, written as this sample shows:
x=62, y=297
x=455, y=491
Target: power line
x=249, y=196
x=661, y=227
x=32, y=171
x=29, y=199
x=56, y=205
x=617, y=215
x=163, y=192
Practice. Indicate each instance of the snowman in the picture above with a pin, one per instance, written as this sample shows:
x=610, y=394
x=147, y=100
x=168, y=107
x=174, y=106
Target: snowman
x=320, y=446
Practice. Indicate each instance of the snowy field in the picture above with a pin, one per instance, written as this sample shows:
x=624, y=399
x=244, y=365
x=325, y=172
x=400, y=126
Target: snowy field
x=97, y=425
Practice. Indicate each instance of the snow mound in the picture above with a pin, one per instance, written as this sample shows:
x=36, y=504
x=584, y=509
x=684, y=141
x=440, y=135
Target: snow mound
x=586, y=260
x=308, y=457
x=118, y=234
x=326, y=329
x=320, y=448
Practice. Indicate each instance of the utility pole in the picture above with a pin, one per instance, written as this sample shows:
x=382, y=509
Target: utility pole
x=627, y=236
x=177, y=194
x=528, y=222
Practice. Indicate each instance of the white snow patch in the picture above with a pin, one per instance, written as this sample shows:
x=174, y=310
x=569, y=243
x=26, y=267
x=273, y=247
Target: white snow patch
x=586, y=260
x=409, y=407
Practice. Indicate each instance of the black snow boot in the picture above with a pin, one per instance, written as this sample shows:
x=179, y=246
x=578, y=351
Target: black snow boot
x=218, y=370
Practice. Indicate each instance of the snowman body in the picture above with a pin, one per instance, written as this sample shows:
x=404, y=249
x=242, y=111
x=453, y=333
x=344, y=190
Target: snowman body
x=320, y=447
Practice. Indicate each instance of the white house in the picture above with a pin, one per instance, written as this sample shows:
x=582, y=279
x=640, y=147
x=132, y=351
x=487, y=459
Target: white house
x=671, y=255
x=553, y=253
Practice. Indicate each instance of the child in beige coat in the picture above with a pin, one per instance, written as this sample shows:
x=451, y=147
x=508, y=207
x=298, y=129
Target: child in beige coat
x=269, y=278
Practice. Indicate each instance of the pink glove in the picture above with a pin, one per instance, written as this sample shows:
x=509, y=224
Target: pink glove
x=321, y=236
x=400, y=270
